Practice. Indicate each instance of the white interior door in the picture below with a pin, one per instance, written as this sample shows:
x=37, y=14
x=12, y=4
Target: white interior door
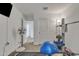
x=43, y=30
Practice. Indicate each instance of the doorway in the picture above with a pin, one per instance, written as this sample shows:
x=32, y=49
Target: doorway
x=29, y=33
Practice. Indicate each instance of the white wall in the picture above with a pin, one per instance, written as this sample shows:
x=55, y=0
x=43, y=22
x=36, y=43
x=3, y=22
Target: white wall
x=3, y=32
x=14, y=23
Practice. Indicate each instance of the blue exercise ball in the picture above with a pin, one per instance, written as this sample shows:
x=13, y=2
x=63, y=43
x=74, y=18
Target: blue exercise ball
x=49, y=48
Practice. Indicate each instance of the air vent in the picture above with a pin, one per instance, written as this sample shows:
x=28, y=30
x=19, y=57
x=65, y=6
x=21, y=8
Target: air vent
x=45, y=8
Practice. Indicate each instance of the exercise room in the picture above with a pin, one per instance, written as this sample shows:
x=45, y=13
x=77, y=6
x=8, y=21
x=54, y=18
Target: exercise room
x=39, y=29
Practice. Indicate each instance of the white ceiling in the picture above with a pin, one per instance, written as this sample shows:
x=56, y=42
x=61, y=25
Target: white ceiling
x=53, y=8
x=37, y=8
